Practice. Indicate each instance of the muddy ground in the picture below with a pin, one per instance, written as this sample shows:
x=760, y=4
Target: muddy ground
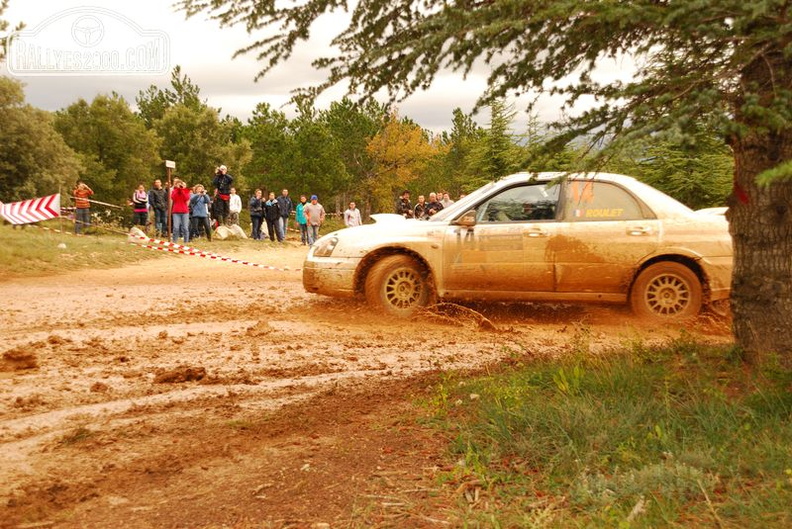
x=184, y=392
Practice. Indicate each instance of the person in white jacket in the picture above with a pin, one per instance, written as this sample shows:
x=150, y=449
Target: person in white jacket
x=234, y=207
x=352, y=216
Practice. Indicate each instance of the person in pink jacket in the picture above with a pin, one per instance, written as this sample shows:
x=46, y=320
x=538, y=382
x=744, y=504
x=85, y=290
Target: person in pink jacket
x=180, y=195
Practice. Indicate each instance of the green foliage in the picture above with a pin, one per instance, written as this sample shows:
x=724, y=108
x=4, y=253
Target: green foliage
x=635, y=439
x=199, y=142
x=3, y=28
x=34, y=159
x=400, y=46
x=352, y=127
x=458, y=172
x=267, y=132
x=400, y=151
x=315, y=165
x=116, y=150
x=154, y=101
x=192, y=133
x=696, y=170
x=496, y=152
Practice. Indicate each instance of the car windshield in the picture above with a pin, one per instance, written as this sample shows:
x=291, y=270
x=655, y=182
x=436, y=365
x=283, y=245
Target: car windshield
x=463, y=204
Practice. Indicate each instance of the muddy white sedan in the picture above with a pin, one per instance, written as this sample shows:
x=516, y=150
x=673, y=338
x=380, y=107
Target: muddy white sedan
x=592, y=237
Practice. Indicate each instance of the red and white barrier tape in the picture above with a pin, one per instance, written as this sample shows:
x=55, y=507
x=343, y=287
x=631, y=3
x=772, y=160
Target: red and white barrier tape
x=167, y=246
x=45, y=228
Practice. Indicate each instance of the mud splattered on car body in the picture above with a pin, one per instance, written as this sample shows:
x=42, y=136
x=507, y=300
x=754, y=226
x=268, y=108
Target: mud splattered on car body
x=593, y=237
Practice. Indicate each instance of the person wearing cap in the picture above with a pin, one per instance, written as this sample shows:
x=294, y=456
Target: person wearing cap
x=222, y=183
x=315, y=215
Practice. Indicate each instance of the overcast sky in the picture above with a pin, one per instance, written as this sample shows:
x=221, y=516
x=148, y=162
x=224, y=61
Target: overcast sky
x=66, y=43
x=203, y=50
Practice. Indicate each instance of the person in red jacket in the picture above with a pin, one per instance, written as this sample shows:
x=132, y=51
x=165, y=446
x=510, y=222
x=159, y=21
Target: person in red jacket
x=180, y=195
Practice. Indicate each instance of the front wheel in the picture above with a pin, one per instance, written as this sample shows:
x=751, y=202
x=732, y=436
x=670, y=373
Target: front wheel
x=398, y=286
x=666, y=291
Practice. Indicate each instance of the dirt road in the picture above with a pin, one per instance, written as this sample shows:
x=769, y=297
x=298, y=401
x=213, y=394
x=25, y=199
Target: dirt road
x=183, y=392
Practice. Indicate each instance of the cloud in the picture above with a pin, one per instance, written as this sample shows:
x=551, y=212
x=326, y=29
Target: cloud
x=205, y=51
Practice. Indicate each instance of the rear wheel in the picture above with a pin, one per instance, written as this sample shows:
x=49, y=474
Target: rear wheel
x=398, y=285
x=666, y=290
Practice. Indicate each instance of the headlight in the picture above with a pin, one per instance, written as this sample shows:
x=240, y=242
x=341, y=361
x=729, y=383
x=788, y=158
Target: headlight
x=325, y=247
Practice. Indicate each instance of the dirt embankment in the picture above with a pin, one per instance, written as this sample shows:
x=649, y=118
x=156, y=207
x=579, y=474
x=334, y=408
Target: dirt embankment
x=184, y=392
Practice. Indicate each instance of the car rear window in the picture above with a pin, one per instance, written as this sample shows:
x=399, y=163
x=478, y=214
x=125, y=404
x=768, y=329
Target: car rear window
x=599, y=201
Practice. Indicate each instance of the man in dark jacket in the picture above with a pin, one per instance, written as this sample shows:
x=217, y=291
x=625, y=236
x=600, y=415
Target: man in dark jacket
x=433, y=206
x=284, y=208
x=272, y=215
x=403, y=206
x=158, y=202
x=256, y=214
x=222, y=182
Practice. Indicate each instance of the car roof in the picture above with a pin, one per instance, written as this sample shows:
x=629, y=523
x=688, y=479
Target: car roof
x=574, y=175
x=662, y=204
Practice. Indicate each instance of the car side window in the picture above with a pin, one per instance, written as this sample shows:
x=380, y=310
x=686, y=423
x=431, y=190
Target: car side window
x=520, y=204
x=599, y=201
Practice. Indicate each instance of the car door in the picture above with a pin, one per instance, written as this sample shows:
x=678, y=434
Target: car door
x=505, y=250
x=604, y=233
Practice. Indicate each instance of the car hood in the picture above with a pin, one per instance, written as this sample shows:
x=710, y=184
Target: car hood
x=388, y=230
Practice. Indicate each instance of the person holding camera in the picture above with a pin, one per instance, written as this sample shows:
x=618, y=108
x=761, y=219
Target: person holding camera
x=83, y=206
x=180, y=196
x=199, y=205
x=222, y=183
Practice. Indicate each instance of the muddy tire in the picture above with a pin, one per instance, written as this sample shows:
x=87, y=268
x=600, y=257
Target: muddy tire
x=666, y=291
x=398, y=285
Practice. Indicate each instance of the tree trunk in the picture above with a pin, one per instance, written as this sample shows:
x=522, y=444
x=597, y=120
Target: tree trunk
x=760, y=222
x=760, y=217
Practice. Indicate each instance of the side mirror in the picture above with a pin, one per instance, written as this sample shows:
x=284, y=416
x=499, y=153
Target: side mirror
x=467, y=220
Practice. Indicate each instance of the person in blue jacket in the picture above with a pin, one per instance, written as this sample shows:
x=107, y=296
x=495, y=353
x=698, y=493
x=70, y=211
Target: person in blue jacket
x=199, y=206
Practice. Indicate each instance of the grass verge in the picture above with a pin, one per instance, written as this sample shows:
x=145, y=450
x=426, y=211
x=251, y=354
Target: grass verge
x=33, y=251
x=677, y=436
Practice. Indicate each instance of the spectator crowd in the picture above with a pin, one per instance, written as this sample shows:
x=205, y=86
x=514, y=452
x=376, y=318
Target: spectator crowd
x=422, y=209
x=195, y=212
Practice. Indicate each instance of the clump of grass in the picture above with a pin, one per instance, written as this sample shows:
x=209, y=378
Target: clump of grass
x=239, y=424
x=681, y=434
x=79, y=435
